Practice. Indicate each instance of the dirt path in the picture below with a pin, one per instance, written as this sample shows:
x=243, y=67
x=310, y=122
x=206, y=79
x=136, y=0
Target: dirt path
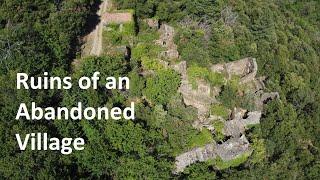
x=93, y=45
x=97, y=34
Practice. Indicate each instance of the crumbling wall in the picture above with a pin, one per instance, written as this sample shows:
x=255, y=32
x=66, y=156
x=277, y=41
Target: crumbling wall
x=196, y=155
x=231, y=149
x=245, y=68
x=167, y=41
x=201, y=97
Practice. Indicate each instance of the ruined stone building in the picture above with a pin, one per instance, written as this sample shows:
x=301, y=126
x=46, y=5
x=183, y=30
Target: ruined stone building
x=204, y=95
x=116, y=18
x=240, y=119
x=167, y=41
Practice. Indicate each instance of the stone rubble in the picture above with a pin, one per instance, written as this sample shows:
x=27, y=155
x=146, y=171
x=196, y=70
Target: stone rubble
x=204, y=96
x=235, y=128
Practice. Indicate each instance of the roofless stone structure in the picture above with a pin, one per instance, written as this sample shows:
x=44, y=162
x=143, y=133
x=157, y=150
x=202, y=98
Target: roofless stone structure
x=117, y=17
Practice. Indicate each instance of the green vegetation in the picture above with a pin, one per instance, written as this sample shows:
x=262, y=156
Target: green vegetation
x=195, y=73
x=218, y=130
x=201, y=139
x=116, y=34
x=229, y=97
x=192, y=46
x=151, y=64
x=162, y=87
x=39, y=36
x=221, y=165
x=220, y=110
x=232, y=95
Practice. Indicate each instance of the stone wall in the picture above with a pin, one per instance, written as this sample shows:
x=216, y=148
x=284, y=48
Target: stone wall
x=229, y=150
x=167, y=41
x=245, y=68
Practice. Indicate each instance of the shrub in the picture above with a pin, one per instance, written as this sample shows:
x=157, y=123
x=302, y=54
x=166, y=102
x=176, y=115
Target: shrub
x=220, y=164
x=196, y=72
x=151, y=64
x=202, y=138
x=218, y=127
x=161, y=87
x=220, y=110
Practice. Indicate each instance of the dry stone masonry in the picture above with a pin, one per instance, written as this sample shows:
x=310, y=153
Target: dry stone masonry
x=203, y=97
x=234, y=128
x=166, y=40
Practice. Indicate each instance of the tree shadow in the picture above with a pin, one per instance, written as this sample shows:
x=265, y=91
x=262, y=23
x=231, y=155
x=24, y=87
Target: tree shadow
x=93, y=19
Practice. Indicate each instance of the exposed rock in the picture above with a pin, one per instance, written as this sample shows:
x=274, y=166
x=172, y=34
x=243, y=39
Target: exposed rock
x=167, y=41
x=152, y=23
x=181, y=68
x=196, y=155
x=227, y=151
x=238, y=113
x=241, y=119
x=200, y=98
x=262, y=98
x=269, y=96
x=196, y=97
x=204, y=95
x=245, y=68
x=252, y=119
x=233, y=148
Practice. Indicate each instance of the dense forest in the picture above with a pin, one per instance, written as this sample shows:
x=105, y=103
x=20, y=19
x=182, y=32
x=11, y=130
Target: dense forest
x=284, y=37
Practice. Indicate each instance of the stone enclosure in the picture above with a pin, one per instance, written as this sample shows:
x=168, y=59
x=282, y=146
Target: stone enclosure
x=204, y=96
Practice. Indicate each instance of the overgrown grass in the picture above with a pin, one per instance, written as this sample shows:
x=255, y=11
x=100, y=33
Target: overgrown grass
x=218, y=127
x=151, y=64
x=145, y=50
x=196, y=72
x=220, y=110
x=221, y=165
x=201, y=139
x=117, y=35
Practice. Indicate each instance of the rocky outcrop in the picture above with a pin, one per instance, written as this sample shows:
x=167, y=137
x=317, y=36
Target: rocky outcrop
x=233, y=148
x=204, y=95
x=229, y=150
x=240, y=119
x=245, y=68
x=200, y=97
x=167, y=41
x=196, y=155
x=237, y=126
